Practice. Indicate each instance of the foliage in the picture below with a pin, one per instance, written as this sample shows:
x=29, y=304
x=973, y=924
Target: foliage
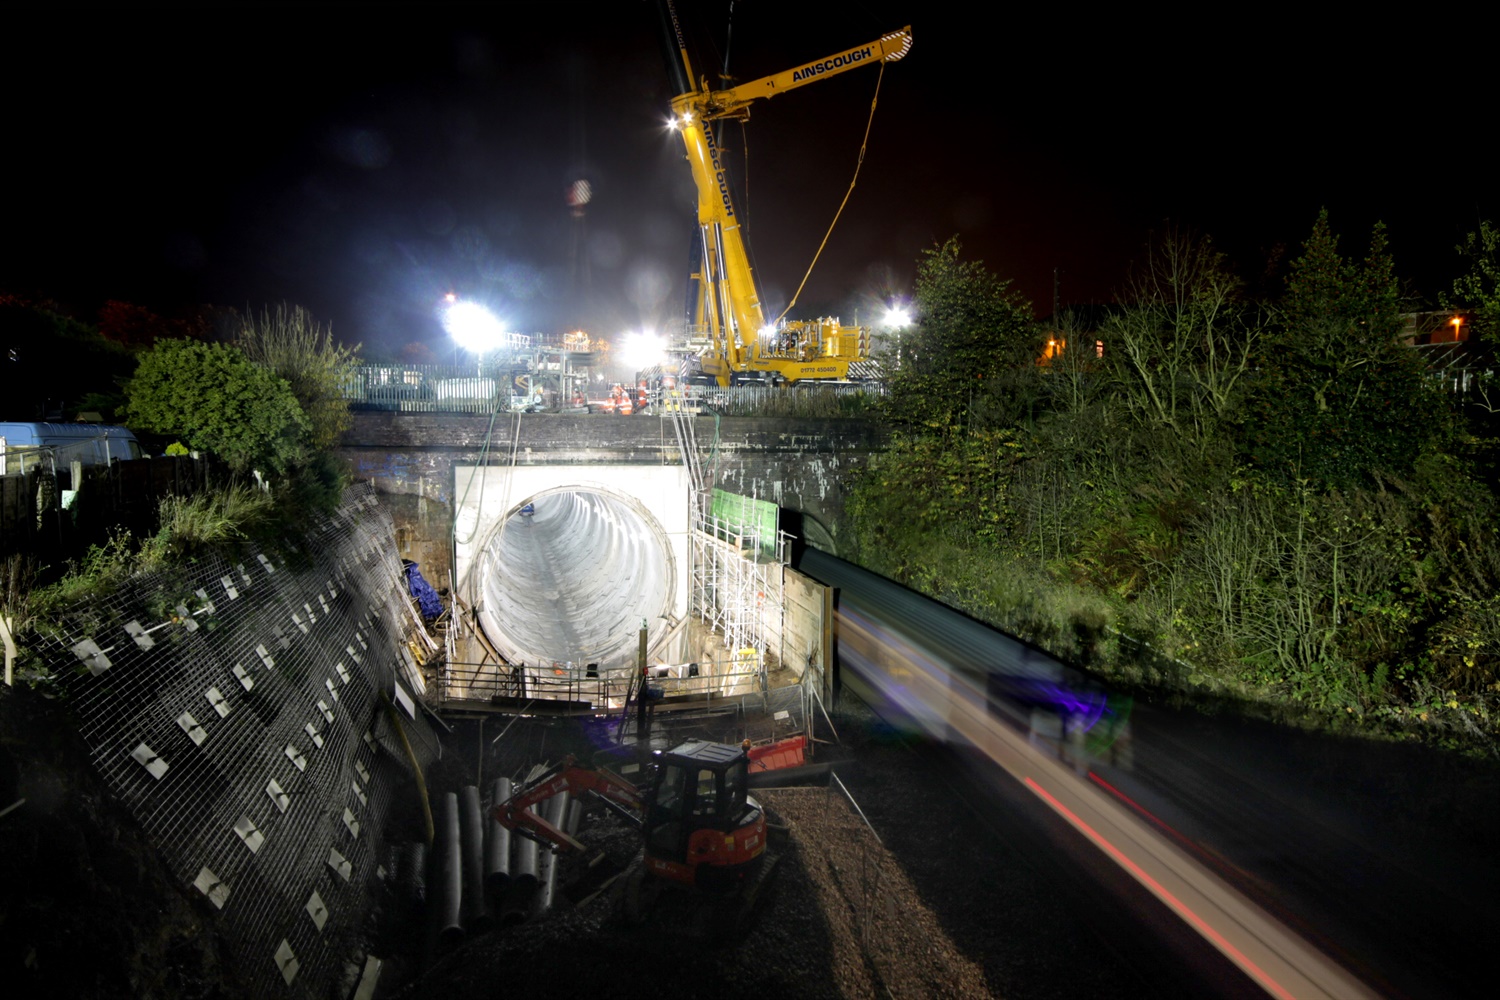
x=216, y=400
x=1477, y=293
x=97, y=574
x=1339, y=396
x=1269, y=497
x=290, y=343
x=52, y=360
x=1478, y=288
x=1182, y=346
x=954, y=485
x=217, y=519
x=136, y=327
x=970, y=349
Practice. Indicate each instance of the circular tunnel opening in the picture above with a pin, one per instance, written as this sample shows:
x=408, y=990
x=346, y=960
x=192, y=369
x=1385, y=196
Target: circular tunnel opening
x=569, y=575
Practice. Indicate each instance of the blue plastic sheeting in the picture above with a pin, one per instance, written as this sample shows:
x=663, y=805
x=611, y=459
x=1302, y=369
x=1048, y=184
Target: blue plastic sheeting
x=427, y=598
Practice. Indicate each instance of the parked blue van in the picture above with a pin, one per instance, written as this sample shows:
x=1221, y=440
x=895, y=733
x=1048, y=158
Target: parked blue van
x=24, y=446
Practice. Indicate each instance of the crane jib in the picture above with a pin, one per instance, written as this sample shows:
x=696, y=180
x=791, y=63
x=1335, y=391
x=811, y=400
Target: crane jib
x=837, y=62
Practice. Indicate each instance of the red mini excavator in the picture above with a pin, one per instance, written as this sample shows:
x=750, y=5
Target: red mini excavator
x=699, y=826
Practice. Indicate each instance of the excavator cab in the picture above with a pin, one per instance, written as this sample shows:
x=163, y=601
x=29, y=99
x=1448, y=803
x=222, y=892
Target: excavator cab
x=701, y=827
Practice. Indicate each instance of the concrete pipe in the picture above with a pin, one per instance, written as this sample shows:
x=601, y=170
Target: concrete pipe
x=445, y=885
x=523, y=881
x=411, y=868
x=575, y=816
x=556, y=814
x=497, y=848
x=474, y=909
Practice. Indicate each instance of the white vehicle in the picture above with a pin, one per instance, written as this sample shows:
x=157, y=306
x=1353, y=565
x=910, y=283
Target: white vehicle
x=24, y=446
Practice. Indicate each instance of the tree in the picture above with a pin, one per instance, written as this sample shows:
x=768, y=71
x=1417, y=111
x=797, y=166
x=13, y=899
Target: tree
x=136, y=327
x=1478, y=289
x=52, y=362
x=290, y=343
x=217, y=400
x=973, y=343
x=1339, y=397
x=1183, y=343
x=1477, y=292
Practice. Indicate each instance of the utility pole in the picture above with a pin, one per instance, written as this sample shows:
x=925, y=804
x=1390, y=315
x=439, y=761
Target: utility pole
x=642, y=719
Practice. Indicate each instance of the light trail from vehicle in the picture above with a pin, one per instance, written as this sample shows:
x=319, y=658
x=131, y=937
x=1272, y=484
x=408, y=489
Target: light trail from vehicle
x=950, y=706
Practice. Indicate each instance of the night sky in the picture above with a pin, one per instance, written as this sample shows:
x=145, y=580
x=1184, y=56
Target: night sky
x=363, y=159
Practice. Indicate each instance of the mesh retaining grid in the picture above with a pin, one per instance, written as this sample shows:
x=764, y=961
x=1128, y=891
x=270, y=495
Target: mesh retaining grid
x=235, y=708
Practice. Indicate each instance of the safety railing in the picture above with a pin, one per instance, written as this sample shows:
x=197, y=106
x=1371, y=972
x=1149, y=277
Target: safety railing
x=487, y=682
x=461, y=681
x=707, y=680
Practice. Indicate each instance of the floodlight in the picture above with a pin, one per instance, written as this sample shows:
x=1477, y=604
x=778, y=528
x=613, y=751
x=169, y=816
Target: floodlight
x=642, y=349
x=897, y=316
x=473, y=327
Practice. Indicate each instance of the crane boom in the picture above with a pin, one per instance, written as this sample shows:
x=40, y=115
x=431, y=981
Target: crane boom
x=887, y=48
x=726, y=313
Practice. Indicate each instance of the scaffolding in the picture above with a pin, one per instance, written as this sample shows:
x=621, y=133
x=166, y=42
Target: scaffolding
x=737, y=580
x=736, y=560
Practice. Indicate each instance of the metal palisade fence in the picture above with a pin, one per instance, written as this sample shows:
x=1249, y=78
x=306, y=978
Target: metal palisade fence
x=237, y=709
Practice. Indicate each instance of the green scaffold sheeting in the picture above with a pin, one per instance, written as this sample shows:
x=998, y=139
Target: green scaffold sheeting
x=751, y=517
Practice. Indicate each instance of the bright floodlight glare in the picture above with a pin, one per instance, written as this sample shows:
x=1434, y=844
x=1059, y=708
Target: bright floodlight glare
x=642, y=350
x=897, y=316
x=473, y=327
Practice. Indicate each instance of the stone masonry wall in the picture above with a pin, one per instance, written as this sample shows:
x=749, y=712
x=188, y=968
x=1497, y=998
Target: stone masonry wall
x=800, y=464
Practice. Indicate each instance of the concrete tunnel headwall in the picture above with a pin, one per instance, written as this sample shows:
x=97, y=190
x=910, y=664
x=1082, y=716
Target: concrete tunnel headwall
x=419, y=462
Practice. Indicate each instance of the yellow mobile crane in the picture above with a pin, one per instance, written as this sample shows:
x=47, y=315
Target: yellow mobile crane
x=725, y=314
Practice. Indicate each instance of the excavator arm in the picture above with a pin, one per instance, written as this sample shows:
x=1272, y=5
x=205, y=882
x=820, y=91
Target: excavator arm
x=515, y=813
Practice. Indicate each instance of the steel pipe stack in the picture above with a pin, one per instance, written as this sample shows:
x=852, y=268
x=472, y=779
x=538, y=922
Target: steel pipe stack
x=575, y=816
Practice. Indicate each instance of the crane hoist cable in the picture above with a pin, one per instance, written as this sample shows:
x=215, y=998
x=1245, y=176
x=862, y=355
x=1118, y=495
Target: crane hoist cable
x=484, y=453
x=852, y=181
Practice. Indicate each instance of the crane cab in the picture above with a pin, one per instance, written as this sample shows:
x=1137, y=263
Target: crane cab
x=701, y=827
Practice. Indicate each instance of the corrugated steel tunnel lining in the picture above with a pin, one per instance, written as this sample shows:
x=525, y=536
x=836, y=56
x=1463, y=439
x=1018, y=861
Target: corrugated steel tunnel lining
x=572, y=581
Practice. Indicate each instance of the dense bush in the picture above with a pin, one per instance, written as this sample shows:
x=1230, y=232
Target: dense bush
x=217, y=400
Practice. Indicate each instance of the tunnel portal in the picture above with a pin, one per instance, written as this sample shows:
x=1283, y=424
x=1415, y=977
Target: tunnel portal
x=570, y=574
